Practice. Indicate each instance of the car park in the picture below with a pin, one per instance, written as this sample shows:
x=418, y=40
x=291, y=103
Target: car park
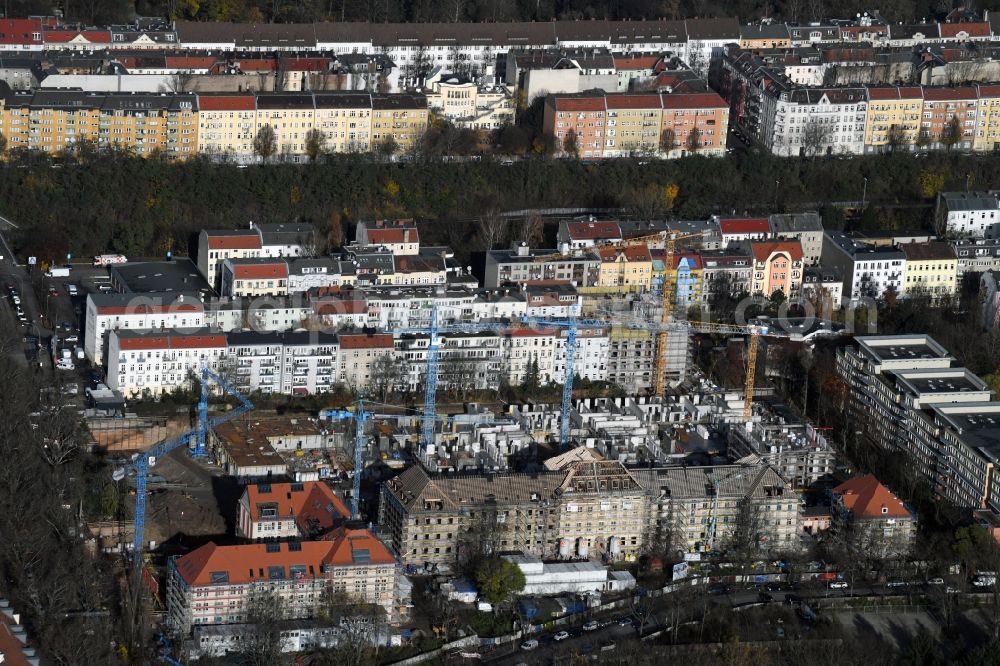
x=530, y=644
x=561, y=636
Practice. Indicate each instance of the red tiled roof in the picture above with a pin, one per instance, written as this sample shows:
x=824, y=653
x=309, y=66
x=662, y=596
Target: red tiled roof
x=227, y=103
x=693, y=101
x=594, y=230
x=307, y=64
x=745, y=225
x=637, y=62
x=248, y=563
x=248, y=241
x=150, y=308
x=631, y=253
x=762, y=251
x=393, y=235
x=971, y=29
x=693, y=259
x=277, y=269
x=189, y=62
x=335, y=306
x=595, y=103
x=633, y=101
x=865, y=497
x=316, y=508
x=254, y=65
x=171, y=342
x=19, y=31
x=345, y=542
x=364, y=341
x=11, y=648
x=986, y=90
x=945, y=94
x=92, y=36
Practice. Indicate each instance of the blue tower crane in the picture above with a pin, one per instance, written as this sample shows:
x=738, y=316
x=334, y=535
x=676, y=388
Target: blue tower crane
x=143, y=461
x=361, y=416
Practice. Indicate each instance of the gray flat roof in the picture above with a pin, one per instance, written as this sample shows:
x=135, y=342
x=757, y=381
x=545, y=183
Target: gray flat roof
x=947, y=380
x=902, y=347
x=180, y=275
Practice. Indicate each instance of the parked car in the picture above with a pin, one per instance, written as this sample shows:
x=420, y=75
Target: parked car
x=936, y=581
x=70, y=389
x=896, y=583
x=838, y=585
x=624, y=622
x=561, y=636
x=718, y=588
x=71, y=289
x=591, y=626
x=72, y=337
x=529, y=644
x=65, y=364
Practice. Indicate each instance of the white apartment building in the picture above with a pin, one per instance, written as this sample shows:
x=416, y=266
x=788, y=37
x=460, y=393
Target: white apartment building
x=524, y=346
x=465, y=360
x=282, y=240
x=254, y=277
x=868, y=271
x=969, y=214
x=359, y=355
x=151, y=363
x=112, y=312
x=296, y=363
x=826, y=121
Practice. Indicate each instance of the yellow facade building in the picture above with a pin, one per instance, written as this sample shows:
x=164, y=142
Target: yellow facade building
x=625, y=268
x=403, y=118
x=987, y=137
x=931, y=268
x=892, y=120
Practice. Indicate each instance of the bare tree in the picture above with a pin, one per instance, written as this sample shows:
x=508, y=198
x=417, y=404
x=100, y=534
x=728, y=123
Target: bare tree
x=815, y=137
x=532, y=230
x=667, y=139
x=315, y=144
x=263, y=643
x=744, y=542
x=265, y=143
x=951, y=133
x=492, y=229
x=388, y=373
x=479, y=537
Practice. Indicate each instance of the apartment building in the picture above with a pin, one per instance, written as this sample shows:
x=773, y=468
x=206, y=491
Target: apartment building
x=893, y=120
x=596, y=126
x=625, y=269
x=254, y=277
x=587, y=233
x=359, y=357
x=227, y=125
x=257, y=241
x=969, y=214
x=108, y=312
x=467, y=104
x=399, y=119
x=736, y=229
x=307, y=510
x=151, y=363
x=869, y=271
x=594, y=509
x=948, y=119
x=931, y=269
x=522, y=264
x=777, y=266
x=977, y=255
x=400, y=237
x=886, y=527
x=214, y=585
x=465, y=361
x=725, y=273
x=806, y=228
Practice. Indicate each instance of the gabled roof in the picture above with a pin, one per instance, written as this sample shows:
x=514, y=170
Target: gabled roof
x=349, y=547
x=393, y=235
x=129, y=340
x=314, y=506
x=970, y=29
x=630, y=253
x=593, y=230
x=932, y=251
x=865, y=497
x=762, y=251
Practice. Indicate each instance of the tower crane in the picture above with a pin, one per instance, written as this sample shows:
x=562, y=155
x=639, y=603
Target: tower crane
x=361, y=416
x=143, y=461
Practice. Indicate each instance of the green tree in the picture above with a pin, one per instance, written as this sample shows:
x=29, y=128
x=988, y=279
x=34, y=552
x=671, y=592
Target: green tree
x=265, y=144
x=531, y=376
x=498, y=579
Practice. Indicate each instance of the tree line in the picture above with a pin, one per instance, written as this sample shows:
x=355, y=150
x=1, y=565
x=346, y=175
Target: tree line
x=108, y=201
